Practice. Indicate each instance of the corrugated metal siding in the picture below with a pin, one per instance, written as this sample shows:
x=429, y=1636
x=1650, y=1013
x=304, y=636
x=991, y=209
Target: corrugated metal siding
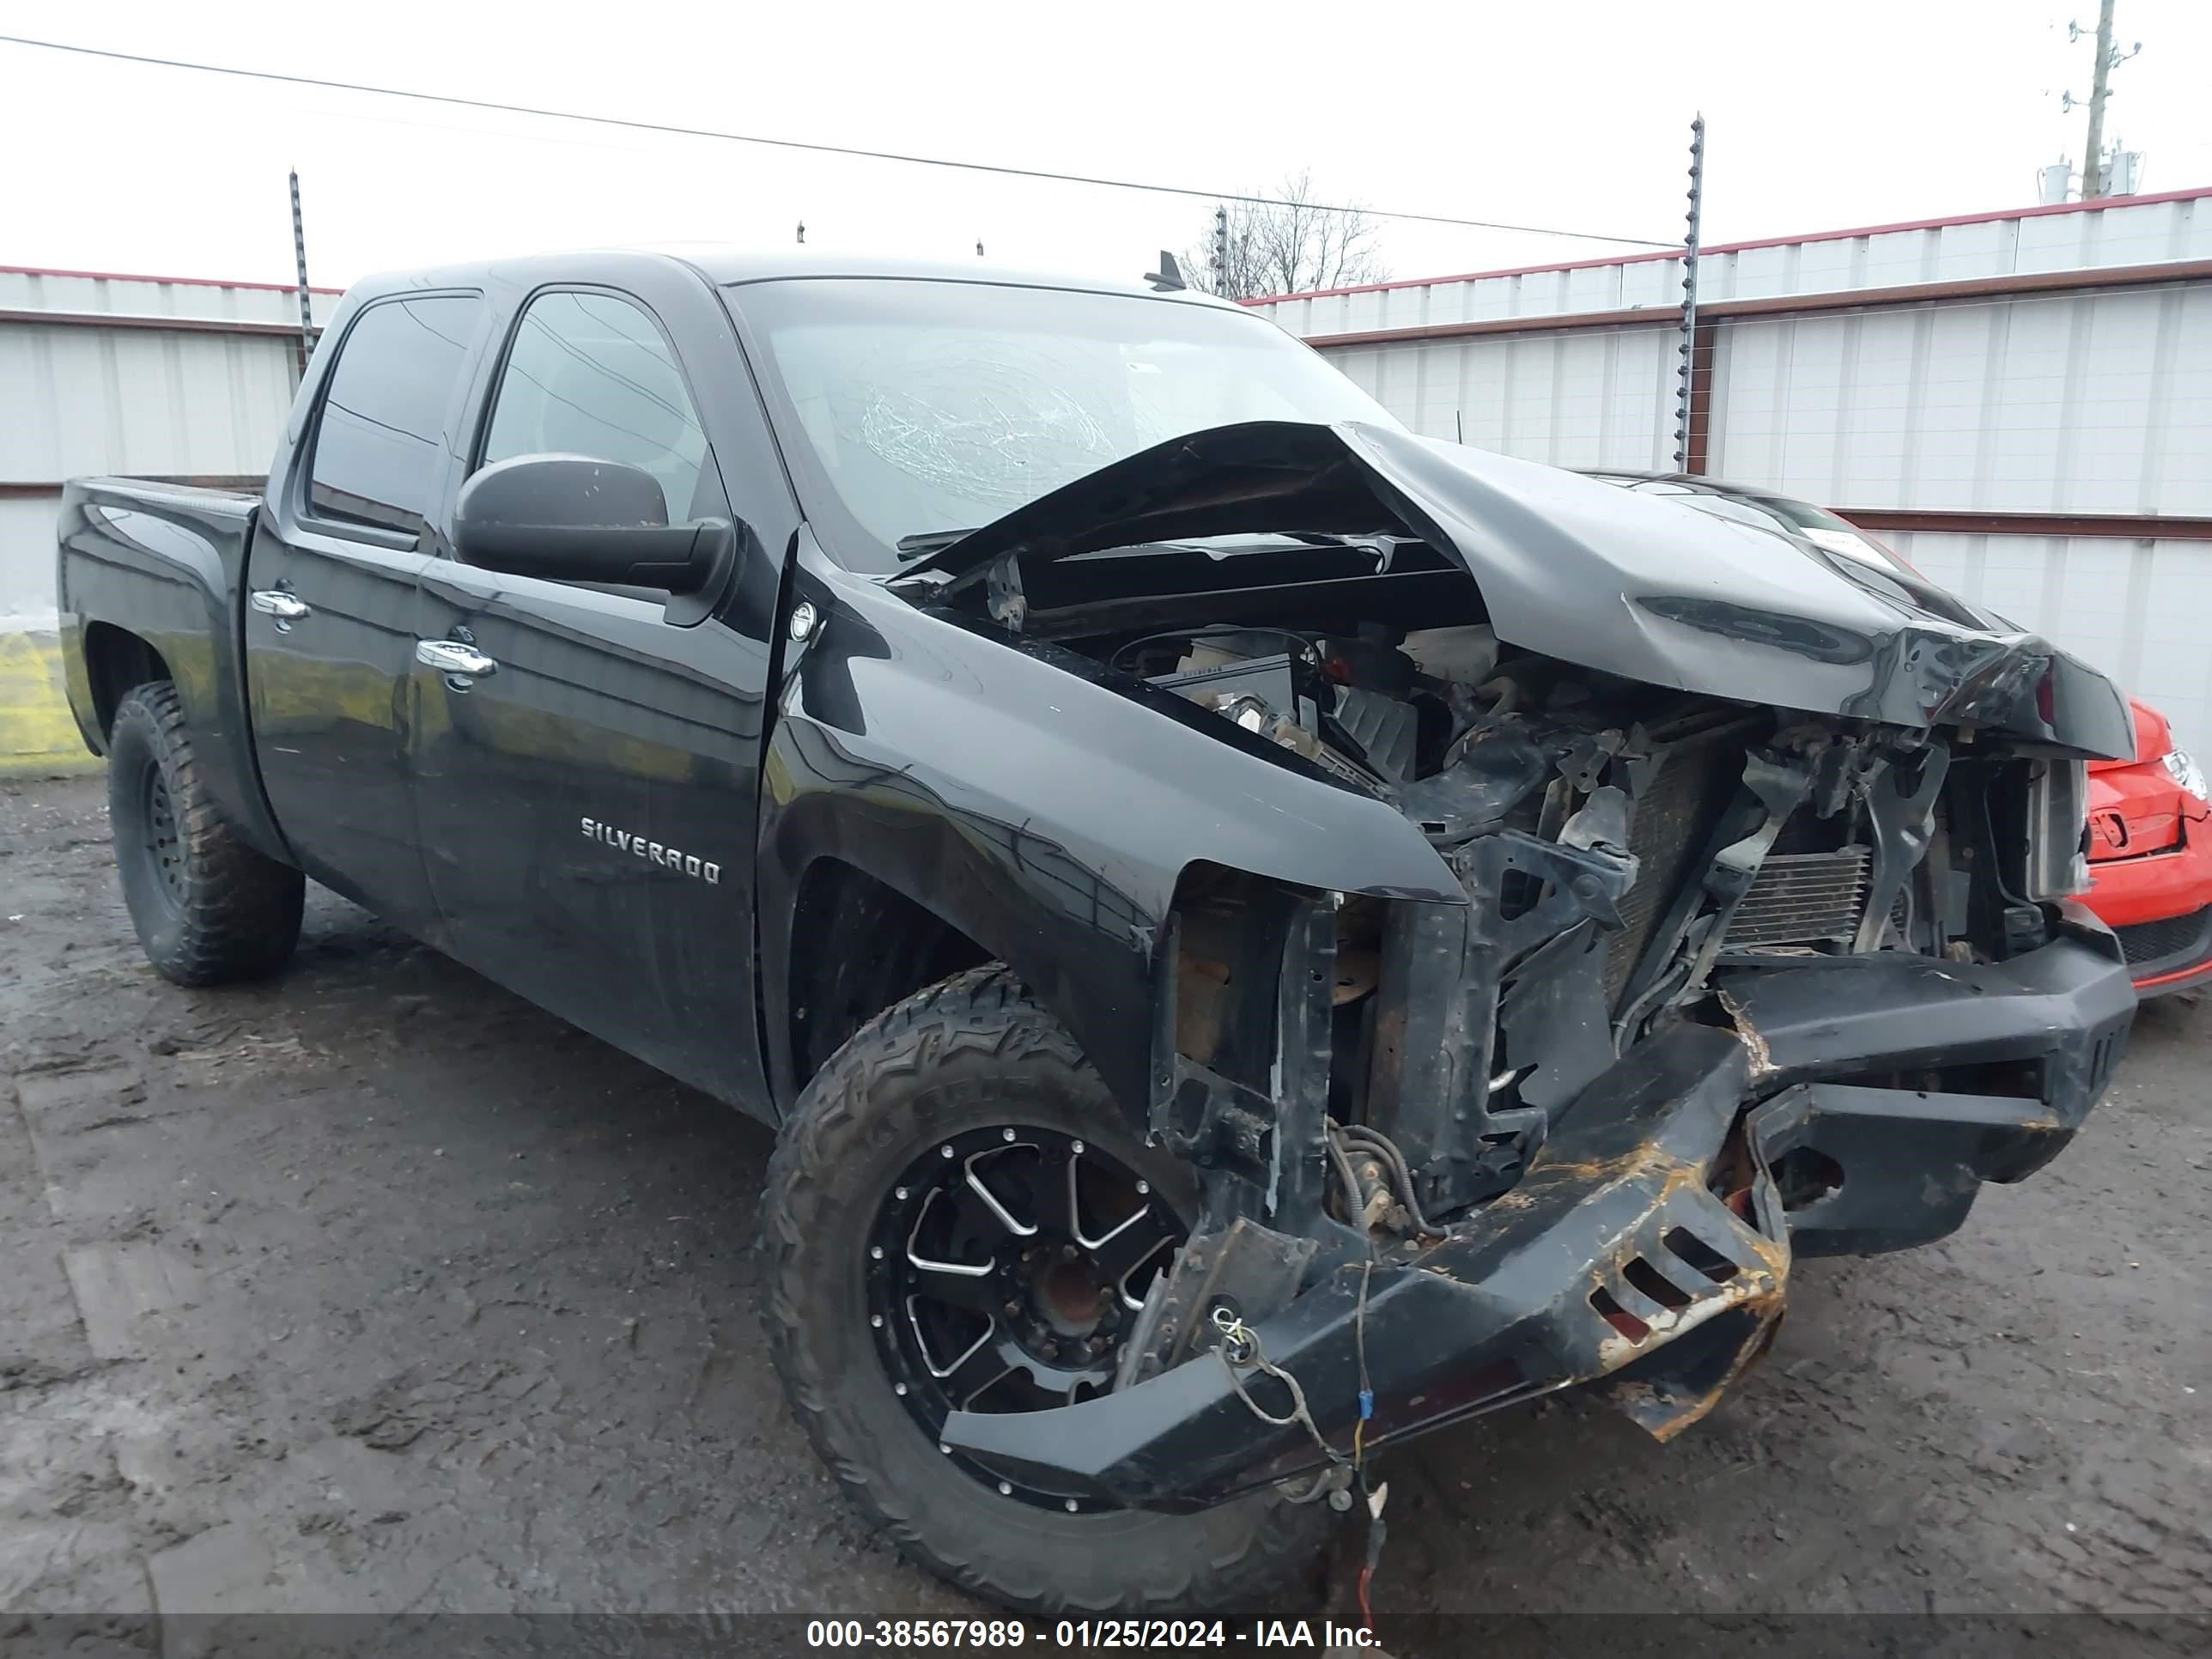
x=2088, y=403
x=2098, y=239
x=1602, y=397
x=1617, y=287
x=2103, y=238
x=147, y=297
x=2091, y=403
x=78, y=399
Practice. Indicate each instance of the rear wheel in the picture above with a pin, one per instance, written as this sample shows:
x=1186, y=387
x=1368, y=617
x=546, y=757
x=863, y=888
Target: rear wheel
x=957, y=1219
x=207, y=907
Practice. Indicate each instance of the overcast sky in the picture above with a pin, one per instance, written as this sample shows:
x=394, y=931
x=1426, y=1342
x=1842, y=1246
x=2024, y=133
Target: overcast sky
x=1574, y=115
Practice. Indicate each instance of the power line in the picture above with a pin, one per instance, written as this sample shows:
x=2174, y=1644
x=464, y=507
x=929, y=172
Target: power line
x=799, y=144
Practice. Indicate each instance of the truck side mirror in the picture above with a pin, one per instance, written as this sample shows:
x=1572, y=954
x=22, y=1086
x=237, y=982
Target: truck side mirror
x=570, y=519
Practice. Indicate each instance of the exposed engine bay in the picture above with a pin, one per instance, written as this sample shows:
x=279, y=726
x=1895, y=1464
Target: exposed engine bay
x=1624, y=849
x=1577, y=1066
x=1755, y=948
x=1355, y=706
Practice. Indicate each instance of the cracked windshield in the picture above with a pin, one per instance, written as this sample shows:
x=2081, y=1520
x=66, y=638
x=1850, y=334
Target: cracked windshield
x=934, y=408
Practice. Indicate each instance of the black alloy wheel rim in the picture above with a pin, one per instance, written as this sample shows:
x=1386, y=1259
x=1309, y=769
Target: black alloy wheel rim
x=165, y=854
x=1004, y=1271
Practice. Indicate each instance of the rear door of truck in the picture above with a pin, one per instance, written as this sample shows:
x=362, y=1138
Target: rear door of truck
x=329, y=609
x=585, y=798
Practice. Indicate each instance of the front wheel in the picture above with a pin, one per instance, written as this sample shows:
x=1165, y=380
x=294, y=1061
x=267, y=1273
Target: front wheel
x=955, y=1218
x=207, y=907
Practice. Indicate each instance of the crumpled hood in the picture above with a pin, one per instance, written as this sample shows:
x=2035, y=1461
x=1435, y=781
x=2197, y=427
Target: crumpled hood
x=1573, y=568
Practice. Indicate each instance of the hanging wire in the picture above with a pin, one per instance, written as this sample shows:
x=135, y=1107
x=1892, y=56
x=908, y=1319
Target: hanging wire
x=676, y=130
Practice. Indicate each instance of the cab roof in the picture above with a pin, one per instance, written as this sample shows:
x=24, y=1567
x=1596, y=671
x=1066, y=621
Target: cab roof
x=728, y=265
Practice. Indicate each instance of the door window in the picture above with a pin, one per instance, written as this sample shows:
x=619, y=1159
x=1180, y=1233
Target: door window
x=383, y=428
x=590, y=374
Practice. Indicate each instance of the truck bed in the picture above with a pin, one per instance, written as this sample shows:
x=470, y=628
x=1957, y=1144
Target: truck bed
x=164, y=562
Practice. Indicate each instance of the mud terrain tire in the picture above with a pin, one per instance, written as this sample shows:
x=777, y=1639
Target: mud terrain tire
x=208, y=908
x=974, y=1050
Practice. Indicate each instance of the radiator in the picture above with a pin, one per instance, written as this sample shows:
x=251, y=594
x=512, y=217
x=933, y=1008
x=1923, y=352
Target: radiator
x=1804, y=898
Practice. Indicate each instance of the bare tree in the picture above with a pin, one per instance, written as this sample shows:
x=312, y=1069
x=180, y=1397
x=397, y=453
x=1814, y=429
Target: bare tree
x=1289, y=248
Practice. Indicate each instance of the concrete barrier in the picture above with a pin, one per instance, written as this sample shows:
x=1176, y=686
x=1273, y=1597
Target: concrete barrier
x=38, y=736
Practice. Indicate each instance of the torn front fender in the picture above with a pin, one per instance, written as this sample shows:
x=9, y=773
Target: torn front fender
x=1570, y=567
x=1045, y=813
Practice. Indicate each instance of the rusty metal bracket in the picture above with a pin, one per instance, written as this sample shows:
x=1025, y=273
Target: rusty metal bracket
x=1003, y=592
x=1251, y=1270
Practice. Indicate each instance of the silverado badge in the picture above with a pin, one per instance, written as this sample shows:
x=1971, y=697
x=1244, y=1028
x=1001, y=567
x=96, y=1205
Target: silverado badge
x=669, y=858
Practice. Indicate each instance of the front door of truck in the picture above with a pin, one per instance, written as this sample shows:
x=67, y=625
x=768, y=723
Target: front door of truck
x=329, y=608
x=585, y=765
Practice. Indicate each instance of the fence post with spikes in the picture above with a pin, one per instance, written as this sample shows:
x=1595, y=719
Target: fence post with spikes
x=1688, y=349
x=300, y=264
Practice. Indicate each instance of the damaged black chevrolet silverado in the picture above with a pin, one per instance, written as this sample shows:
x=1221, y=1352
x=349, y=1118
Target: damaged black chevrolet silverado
x=1262, y=934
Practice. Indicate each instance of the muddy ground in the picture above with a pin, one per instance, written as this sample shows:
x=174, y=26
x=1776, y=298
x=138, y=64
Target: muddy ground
x=374, y=1288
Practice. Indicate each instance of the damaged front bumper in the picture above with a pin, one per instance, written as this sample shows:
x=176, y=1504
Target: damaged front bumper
x=1857, y=1106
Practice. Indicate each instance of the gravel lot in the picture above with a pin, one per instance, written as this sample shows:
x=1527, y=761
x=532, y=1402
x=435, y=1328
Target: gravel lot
x=374, y=1288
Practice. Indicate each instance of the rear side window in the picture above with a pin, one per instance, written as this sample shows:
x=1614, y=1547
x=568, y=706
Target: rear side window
x=383, y=426
x=590, y=374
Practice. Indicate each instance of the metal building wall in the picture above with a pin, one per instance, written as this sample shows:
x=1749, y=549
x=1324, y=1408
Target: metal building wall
x=1601, y=397
x=105, y=374
x=2119, y=234
x=80, y=400
x=2098, y=402
x=182, y=299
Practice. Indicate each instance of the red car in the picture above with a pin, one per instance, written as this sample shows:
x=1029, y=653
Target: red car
x=2150, y=843
x=2150, y=858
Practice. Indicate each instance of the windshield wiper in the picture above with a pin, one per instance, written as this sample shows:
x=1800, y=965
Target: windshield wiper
x=936, y=541
x=1379, y=545
x=930, y=541
x=1332, y=539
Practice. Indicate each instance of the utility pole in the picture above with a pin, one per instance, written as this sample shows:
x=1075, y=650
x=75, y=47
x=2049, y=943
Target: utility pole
x=300, y=260
x=1686, y=371
x=2097, y=180
x=2092, y=159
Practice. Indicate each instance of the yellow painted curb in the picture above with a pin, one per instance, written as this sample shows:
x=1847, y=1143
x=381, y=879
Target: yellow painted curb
x=37, y=736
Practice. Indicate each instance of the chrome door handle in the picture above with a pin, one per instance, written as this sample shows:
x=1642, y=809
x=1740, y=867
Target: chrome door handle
x=285, y=607
x=451, y=657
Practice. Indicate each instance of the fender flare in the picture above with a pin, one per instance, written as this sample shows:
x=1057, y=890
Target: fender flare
x=1024, y=902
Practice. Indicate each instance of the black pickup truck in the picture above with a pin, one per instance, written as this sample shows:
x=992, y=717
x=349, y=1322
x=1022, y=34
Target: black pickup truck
x=1260, y=934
